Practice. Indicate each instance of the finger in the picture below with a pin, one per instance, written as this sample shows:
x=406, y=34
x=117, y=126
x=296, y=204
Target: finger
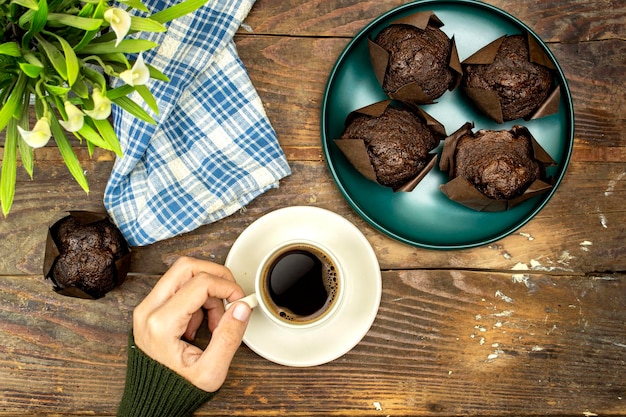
x=183, y=270
x=194, y=324
x=214, y=362
x=215, y=311
x=192, y=296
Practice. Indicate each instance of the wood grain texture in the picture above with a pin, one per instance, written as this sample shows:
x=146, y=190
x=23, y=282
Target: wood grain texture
x=457, y=332
x=445, y=342
x=571, y=21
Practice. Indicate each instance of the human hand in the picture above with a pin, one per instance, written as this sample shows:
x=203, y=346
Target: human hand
x=173, y=310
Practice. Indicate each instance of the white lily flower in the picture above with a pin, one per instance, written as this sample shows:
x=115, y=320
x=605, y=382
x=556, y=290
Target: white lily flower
x=39, y=136
x=75, y=118
x=139, y=74
x=101, y=106
x=119, y=20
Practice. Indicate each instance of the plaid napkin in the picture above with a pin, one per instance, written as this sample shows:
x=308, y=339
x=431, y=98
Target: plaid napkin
x=213, y=148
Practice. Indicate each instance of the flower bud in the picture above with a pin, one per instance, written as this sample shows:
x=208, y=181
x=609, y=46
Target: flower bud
x=101, y=106
x=139, y=74
x=119, y=20
x=39, y=136
x=75, y=118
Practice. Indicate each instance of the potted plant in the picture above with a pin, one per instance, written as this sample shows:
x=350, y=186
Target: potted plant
x=60, y=57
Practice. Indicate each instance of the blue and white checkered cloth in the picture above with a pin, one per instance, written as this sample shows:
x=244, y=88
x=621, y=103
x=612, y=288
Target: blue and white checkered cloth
x=213, y=148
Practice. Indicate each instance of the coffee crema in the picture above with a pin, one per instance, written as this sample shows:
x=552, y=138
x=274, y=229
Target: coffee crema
x=300, y=284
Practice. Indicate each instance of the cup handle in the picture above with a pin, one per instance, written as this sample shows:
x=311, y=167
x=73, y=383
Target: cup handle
x=251, y=300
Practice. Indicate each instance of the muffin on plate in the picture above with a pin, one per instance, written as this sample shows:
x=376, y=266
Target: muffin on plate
x=395, y=142
x=503, y=167
x=499, y=163
x=511, y=84
x=412, y=59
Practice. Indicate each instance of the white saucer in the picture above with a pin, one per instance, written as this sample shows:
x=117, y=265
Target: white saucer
x=345, y=329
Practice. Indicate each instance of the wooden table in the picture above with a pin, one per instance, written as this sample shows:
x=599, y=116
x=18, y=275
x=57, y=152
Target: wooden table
x=457, y=333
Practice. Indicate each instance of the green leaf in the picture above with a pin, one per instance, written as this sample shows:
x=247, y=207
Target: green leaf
x=134, y=109
x=108, y=134
x=26, y=152
x=9, y=168
x=115, y=57
x=80, y=88
x=101, y=7
x=57, y=90
x=90, y=147
x=87, y=37
x=39, y=107
x=6, y=62
x=87, y=10
x=13, y=102
x=31, y=70
x=84, y=23
x=26, y=18
x=54, y=56
x=71, y=61
x=157, y=75
x=7, y=72
x=11, y=49
x=135, y=4
x=94, y=137
x=29, y=4
x=128, y=46
x=105, y=37
x=72, y=162
x=121, y=91
x=95, y=76
x=98, y=13
x=148, y=98
x=37, y=23
x=178, y=10
x=144, y=24
x=32, y=59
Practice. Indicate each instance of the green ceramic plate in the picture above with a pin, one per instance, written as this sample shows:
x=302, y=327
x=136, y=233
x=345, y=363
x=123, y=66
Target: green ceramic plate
x=425, y=217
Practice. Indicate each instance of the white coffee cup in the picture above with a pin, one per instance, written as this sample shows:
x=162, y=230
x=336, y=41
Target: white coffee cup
x=298, y=284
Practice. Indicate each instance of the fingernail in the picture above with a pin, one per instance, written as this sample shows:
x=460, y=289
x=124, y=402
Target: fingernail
x=241, y=312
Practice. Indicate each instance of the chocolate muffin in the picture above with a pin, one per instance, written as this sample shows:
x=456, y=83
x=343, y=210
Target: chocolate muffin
x=397, y=143
x=92, y=271
x=521, y=85
x=87, y=255
x=499, y=163
x=416, y=56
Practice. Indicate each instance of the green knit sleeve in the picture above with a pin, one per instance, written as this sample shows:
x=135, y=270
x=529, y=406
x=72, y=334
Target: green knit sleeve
x=153, y=390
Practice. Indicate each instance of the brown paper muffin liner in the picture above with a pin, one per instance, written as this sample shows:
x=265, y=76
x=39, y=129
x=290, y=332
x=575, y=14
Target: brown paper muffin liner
x=462, y=191
x=52, y=252
x=488, y=101
x=356, y=151
x=412, y=93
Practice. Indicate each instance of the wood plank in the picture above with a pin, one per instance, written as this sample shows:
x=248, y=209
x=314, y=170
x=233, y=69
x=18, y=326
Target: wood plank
x=564, y=21
x=571, y=235
x=443, y=343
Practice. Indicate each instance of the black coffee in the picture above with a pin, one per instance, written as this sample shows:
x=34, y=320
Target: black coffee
x=302, y=283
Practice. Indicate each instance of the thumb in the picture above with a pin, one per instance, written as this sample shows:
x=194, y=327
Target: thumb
x=224, y=343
